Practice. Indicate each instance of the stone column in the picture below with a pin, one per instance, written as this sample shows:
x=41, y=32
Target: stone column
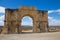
x=6, y=21
x=4, y=30
x=19, y=27
x=46, y=26
x=35, y=26
x=13, y=27
x=43, y=27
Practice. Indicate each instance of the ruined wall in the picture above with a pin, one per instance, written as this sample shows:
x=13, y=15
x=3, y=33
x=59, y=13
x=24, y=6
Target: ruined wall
x=43, y=21
x=13, y=19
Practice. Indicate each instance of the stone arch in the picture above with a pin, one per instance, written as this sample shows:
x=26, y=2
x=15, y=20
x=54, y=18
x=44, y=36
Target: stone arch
x=34, y=20
x=26, y=18
x=28, y=15
x=27, y=23
x=40, y=19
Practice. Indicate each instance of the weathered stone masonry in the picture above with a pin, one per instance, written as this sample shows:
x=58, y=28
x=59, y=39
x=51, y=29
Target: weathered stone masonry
x=13, y=19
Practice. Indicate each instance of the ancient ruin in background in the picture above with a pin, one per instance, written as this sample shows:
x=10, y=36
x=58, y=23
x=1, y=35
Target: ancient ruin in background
x=13, y=19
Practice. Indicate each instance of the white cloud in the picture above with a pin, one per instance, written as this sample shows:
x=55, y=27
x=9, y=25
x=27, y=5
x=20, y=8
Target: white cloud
x=27, y=21
x=53, y=11
x=1, y=23
x=53, y=22
x=50, y=11
x=2, y=9
x=2, y=20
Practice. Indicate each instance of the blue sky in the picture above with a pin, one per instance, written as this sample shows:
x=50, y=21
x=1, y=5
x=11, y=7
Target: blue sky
x=40, y=4
x=53, y=7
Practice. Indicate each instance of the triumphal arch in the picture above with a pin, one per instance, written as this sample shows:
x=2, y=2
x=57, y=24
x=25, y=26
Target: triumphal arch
x=12, y=22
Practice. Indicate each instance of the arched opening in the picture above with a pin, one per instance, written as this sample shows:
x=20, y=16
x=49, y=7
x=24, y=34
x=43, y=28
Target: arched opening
x=27, y=24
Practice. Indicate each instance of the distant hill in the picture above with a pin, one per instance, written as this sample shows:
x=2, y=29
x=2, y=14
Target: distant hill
x=26, y=26
x=54, y=26
x=1, y=26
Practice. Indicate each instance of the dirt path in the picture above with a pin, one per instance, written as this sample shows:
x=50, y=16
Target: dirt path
x=31, y=36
